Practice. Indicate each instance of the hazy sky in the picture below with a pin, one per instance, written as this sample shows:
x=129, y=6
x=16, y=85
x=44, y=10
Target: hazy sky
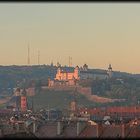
x=92, y=33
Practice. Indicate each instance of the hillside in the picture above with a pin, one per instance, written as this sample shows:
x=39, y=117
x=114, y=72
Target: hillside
x=125, y=88
x=122, y=85
x=11, y=76
x=59, y=99
x=36, y=75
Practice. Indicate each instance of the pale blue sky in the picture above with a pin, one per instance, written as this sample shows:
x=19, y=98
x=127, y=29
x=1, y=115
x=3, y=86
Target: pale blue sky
x=92, y=33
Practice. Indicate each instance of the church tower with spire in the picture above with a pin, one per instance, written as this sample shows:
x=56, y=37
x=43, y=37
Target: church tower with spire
x=23, y=100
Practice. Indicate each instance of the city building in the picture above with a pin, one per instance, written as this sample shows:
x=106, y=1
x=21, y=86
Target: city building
x=86, y=73
x=116, y=113
x=19, y=100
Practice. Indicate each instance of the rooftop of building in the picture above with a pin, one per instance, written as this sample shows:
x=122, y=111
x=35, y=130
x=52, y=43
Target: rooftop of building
x=67, y=69
x=91, y=131
x=128, y=109
x=20, y=135
x=71, y=70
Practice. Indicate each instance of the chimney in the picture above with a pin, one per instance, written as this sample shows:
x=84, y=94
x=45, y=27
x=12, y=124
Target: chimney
x=123, y=130
x=34, y=127
x=97, y=130
x=59, y=127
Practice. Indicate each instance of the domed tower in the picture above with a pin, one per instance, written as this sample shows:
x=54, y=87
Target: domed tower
x=59, y=70
x=76, y=73
x=85, y=67
x=58, y=64
x=110, y=72
x=58, y=74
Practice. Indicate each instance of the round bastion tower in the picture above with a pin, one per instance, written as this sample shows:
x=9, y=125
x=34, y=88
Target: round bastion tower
x=76, y=73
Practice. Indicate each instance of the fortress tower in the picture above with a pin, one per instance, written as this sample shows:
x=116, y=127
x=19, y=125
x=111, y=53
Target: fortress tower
x=110, y=72
x=76, y=72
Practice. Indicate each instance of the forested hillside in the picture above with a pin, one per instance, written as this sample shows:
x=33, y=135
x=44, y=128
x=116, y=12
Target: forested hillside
x=11, y=76
x=122, y=88
x=122, y=85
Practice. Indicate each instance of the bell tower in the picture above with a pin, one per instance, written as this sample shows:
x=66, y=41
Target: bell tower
x=23, y=101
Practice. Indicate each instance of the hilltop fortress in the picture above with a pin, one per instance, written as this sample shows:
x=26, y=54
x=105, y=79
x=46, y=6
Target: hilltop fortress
x=71, y=78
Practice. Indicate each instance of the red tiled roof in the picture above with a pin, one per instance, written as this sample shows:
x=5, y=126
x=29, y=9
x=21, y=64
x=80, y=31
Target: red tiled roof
x=70, y=130
x=135, y=132
x=131, y=109
x=48, y=130
x=89, y=131
x=111, y=131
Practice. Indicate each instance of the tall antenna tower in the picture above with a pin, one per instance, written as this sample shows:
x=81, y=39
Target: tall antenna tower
x=69, y=61
x=38, y=57
x=28, y=59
